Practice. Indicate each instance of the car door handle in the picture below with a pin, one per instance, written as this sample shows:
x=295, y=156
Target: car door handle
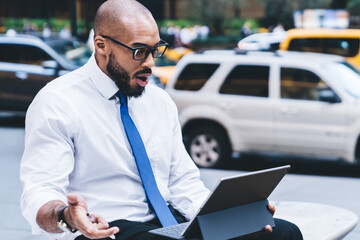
x=289, y=110
x=21, y=75
x=227, y=106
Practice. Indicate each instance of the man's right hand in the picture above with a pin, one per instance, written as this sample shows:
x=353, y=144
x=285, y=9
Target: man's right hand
x=76, y=216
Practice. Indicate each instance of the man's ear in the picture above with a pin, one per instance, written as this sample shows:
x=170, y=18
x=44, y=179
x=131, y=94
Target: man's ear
x=100, y=45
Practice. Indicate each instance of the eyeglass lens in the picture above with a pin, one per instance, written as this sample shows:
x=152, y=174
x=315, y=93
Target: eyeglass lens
x=144, y=52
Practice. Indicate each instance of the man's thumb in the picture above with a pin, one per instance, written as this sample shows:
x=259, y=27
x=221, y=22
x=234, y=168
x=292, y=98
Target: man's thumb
x=73, y=198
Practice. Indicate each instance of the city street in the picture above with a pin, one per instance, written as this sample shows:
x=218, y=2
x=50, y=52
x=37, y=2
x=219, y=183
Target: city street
x=325, y=182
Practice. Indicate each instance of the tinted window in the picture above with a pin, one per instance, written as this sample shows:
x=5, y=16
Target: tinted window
x=22, y=54
x=194, y=76
x=247, y=80
x=274, y=46
x=300, y=84
x=347, y=47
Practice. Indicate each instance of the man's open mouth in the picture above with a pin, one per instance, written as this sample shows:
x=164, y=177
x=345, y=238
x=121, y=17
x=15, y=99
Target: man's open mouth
x=142, y=78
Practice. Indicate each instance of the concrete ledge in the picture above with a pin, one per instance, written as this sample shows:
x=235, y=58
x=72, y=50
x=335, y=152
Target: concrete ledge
x=317, y=221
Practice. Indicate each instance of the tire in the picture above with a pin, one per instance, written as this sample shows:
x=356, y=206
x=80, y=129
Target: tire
x=208, y=146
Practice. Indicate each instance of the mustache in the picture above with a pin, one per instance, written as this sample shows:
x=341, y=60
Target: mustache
x=146, y=70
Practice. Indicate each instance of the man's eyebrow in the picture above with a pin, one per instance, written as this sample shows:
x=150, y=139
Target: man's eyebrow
x=139, y=44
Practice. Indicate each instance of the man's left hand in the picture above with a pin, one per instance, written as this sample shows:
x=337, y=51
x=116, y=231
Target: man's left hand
x=272, y=209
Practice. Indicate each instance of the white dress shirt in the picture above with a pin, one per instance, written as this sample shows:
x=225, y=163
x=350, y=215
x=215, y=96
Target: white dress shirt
x=75, y=143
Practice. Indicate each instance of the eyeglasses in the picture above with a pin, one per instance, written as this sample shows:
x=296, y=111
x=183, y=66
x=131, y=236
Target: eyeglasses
x=141, y=53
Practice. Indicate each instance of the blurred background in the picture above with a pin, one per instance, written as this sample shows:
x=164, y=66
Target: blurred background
x=41, y=40
x=210, y=22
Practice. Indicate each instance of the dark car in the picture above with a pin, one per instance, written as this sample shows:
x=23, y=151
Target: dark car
x=28, y=63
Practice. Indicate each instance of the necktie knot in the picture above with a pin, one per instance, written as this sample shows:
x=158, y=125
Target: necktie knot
x=122, y=97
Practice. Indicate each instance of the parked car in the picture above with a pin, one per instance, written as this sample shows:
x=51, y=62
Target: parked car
x=297, y=103
x=27, y=64
x=343, y=42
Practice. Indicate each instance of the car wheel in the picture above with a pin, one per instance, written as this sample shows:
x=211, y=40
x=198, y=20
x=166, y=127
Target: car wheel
x=208, y=146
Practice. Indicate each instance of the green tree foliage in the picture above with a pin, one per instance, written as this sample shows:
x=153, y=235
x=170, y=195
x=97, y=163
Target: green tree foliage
x=354, y=7
x=214, y=12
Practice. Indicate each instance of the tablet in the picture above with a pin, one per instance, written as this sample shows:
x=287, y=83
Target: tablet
x=235, y=201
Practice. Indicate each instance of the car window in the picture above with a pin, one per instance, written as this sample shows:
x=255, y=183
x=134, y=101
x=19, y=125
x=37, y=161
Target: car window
x=194, y=76
x=248, y=80
x=23, y=54
x=301, y=84
x=346, y=47
x=70, y=50
x=346, y=77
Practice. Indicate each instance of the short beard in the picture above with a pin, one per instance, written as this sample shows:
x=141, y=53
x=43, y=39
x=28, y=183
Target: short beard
x=122, y=79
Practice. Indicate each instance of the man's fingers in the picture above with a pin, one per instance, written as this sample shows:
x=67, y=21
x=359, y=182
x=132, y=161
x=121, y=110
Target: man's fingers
x=113, y=230
x=95, y=233
x=72, y=198
x=75, y=199
x=94, y=230
x=92, y=226
x=76, y=202
x=268, y=229
x=271, y=208
x=100, y=221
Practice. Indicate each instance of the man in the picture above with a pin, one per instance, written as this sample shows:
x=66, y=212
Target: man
x=80, y=166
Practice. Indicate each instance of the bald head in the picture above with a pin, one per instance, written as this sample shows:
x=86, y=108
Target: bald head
x=115, y=16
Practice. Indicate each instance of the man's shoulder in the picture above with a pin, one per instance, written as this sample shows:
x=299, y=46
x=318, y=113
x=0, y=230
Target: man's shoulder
x=66, y=81
x=62, y=89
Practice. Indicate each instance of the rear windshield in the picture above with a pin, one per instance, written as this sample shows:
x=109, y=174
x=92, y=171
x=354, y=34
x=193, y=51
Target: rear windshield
x=346, y=47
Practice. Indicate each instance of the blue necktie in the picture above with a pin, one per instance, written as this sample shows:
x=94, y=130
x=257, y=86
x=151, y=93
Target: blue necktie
x=143, y=164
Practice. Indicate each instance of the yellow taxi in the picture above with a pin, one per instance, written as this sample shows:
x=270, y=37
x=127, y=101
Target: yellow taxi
x=343, y=42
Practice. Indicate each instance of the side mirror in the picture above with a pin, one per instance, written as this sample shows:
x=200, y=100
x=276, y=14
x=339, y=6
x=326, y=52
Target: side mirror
x=328, y=95
x=50, y=64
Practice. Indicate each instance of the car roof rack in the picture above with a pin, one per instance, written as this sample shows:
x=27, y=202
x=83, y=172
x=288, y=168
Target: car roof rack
x=244, y=51
x=204, y=50
x=237, y=51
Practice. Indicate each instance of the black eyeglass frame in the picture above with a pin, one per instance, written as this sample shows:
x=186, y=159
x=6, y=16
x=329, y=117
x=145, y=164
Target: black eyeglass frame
x=150, y=49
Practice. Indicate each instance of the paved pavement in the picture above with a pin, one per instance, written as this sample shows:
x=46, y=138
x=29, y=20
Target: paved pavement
x=338, y=191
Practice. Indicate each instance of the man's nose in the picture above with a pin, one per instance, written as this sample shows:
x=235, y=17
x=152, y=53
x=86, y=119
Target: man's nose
x=149, y=61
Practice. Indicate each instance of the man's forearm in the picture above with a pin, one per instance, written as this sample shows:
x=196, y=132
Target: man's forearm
x=47, y=216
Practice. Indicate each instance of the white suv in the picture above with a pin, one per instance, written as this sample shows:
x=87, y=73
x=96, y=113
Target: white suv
x=284, y=102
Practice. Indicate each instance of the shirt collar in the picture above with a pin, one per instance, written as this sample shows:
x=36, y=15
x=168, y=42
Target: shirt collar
x=103, y=83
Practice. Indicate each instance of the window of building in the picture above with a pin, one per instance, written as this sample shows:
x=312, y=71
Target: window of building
x=194, y=76
x=248, y=80
x=301, y=84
